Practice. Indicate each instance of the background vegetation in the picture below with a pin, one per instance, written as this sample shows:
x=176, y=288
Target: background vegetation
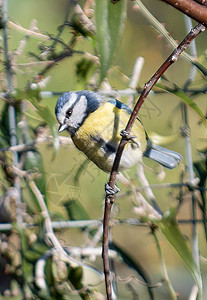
x=64, y=56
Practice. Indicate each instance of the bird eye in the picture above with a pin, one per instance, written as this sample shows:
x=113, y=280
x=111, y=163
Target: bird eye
x=68, y=113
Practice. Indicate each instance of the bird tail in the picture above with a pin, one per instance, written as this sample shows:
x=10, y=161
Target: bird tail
x=163, y=156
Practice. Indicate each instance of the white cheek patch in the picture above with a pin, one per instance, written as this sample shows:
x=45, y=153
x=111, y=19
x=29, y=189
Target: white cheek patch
x=79, y=112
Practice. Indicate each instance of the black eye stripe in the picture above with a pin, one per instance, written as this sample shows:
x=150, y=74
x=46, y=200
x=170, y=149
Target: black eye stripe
x=68, y=112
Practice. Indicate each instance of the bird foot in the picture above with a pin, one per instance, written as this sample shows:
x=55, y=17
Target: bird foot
x=111, y=190
x=126, y=135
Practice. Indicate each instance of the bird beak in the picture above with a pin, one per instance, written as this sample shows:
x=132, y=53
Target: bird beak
x=62, y=127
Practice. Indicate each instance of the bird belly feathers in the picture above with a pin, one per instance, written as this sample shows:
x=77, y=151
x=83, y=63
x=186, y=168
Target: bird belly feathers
x=99, y=137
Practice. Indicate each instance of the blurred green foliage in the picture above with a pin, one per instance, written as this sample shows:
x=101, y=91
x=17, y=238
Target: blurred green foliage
x=74, y=188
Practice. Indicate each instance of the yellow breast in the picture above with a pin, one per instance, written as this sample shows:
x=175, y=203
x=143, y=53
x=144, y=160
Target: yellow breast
x=99, y=137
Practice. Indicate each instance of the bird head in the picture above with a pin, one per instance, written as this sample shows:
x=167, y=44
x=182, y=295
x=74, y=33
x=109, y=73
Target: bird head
x=72, y=109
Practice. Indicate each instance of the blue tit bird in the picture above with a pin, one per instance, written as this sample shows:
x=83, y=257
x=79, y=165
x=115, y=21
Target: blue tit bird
x=95, y=122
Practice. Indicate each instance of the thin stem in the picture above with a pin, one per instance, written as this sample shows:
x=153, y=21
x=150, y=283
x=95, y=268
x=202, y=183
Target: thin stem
x=61, y=28
x=67, y=52
x=189, y=161
x=148, y=191
x=93, y=224
x=11, y=111
x=193, y=52
x=49, y=233
x=162, y=30
x=105, y=247
x=28, y=31
x=164, y=269
x=189, y=164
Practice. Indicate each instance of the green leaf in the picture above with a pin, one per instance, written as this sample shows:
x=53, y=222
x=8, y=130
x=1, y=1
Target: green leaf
x=84, y=70
x=48, y=272
x=75, y=210
x=75, y=277
x=187, y=100
x=110, y=20
x=4, y=124
x=200, y=168
x=80, y=171
x=170, y=229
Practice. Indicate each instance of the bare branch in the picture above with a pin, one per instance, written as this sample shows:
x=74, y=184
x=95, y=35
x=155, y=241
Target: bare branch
x=51, y=237
x=28, y=31
x=148, y=191
x=132, y=277
x=163, y=266
x=63, y=140
x=152, y=212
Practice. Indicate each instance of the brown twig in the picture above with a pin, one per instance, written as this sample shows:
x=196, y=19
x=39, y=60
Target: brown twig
x=66, y=53
x=109, y=199
x=39, y=140
x=88, y=24
x=195, y=9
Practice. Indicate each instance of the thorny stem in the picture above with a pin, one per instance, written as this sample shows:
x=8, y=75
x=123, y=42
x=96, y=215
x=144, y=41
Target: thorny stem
x=109, y=199
x=11, y=111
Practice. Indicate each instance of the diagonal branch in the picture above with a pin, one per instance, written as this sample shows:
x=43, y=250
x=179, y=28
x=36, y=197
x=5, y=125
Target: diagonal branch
x=148, y=86
x=109, y=199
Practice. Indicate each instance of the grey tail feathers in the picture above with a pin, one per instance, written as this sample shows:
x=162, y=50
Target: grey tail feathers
x=163, y=156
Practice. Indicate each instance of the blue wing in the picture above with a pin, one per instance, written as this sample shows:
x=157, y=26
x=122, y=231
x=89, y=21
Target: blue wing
x=120, y=105
x=163, y=156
